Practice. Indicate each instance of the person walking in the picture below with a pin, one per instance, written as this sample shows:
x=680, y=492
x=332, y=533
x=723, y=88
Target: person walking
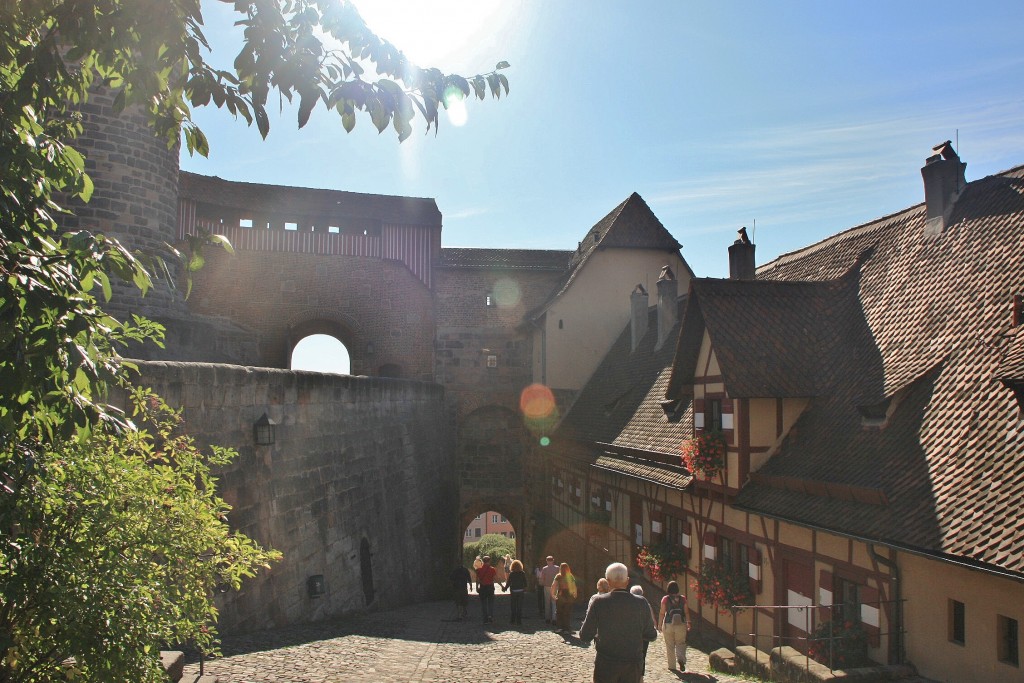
x=540, y=588
x=516, y=586
x=485, y=588
x=547, y=575
x=639, y=591
x=674, y=623
x=563, y=591
x=461, y=582
x=602, y=587
x=621, y=623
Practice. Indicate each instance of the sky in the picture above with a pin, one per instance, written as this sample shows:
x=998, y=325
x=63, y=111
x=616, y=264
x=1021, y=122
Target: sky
x=795, y=119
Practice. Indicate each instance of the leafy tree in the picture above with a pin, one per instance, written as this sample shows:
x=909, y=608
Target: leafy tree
x=494, y=545
x=117, y=544
x=111, y=538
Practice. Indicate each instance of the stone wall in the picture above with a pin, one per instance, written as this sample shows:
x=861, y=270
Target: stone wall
x=380, y=311
x=355, y=459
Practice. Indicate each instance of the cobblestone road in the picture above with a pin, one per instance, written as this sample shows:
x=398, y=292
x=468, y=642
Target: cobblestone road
x=423, y=643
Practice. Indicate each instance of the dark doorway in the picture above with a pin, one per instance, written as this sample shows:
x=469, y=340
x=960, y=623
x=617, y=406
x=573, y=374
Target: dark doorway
x=366, y=567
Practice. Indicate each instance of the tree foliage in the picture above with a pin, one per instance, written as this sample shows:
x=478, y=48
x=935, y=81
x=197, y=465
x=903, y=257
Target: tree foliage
x=112, y=539
x=495, y=545
x=114, y=544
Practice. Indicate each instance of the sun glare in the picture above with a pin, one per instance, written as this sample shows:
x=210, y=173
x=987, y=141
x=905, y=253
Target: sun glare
x=441, y=33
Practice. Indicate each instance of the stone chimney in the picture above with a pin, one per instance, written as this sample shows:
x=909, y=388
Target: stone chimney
x=741, y=257
x=943, y=175
x=668, y=293
x=638, y=315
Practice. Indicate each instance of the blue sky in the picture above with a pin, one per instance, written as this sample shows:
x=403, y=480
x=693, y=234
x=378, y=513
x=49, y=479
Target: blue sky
x=806, y=117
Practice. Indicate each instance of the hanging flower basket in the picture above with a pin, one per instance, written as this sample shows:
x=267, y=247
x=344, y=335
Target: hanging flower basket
x=705, y=453
x=664, y=560
x=722, y=587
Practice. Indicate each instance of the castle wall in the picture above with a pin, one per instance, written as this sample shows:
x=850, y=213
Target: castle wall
x=380, y=310
x=469, y=330
x=355, y=458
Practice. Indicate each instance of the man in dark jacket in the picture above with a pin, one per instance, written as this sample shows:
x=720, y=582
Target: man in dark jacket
x=621, y=622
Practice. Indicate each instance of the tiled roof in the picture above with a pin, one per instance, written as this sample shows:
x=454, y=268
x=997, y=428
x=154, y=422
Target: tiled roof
x=621, y=404
x=516, y=259
x=288, y=201
x=948, y=462
x=664, y=475
x=1011, y=368
x=774, y=339
x=630, y=225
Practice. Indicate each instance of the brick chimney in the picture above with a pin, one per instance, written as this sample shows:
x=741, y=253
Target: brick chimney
x=943, y=175
x=741, y=257
x=638, y=315
x=668, y=293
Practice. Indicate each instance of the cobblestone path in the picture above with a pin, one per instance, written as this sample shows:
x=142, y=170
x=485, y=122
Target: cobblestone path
x=423, y=643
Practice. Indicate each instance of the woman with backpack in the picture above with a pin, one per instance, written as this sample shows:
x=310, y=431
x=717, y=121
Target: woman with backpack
x=673, y=622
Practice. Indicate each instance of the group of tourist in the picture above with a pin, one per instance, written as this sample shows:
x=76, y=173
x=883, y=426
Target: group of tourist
x=619, y=618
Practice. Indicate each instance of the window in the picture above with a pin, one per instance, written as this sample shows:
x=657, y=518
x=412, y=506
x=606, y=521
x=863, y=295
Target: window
x=291, y=226
x=494, y=519
x=1008, y=647
x=333, y=229
x=713, y=415
x=245, y=223
x=847, y=601
x=476, y=532
x=492, y=361
x=469, y=533
x=561, y=324
x=503, y=520
x=480, y=516
x=511, y=534
x=956, y=622
x=489, y=300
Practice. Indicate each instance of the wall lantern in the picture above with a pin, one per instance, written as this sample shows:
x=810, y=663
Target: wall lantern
x=315, y=586
x=263, y=430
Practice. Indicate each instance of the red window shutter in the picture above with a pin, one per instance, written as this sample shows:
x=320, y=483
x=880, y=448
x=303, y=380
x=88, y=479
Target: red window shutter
x=871, y=614
x=825, y=597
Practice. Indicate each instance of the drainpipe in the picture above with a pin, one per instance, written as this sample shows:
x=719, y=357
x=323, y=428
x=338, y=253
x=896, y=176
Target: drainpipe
x=895, y=649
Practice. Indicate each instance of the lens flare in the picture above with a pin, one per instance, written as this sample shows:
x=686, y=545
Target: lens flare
x=455, y=106
x=537, y=401
x=507, y=293
x=540, y=412
x=545, y=441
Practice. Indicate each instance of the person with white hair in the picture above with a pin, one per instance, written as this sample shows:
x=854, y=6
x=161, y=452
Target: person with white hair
x=622, y=623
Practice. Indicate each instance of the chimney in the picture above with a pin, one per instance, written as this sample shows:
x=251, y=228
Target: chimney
x=638, y=315
x=741, y=257
x=668, y=293
x=943, y=175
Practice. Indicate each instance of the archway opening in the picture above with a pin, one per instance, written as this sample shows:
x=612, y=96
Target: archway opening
x=490, y=533
x=321, y=353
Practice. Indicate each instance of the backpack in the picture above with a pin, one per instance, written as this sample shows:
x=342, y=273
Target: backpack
x=676, y=606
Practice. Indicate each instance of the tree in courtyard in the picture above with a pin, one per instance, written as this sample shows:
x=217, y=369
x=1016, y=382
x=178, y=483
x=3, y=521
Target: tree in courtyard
x=111, y=536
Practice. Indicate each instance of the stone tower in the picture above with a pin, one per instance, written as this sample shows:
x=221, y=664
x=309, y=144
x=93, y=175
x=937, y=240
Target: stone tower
x=135, y=199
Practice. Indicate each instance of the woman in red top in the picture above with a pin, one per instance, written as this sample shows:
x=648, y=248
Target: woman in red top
x=485, y=588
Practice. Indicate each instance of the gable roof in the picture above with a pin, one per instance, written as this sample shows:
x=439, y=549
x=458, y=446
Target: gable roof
x=630, y=225
x=772, y=339
x=948, y=464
